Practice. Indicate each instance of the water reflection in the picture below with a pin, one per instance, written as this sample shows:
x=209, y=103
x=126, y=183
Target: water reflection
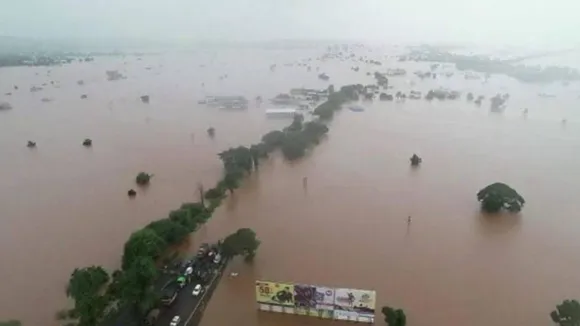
x=498, y=224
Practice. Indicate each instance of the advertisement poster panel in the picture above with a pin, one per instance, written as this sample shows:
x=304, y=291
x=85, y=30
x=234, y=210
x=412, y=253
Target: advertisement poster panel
x=304, y=296
x=275, y=293
x=324, y=298
x=360, y=302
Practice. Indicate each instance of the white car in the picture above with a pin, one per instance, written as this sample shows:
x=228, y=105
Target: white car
x=196, y=290
x=217, y=259
x=175, y=321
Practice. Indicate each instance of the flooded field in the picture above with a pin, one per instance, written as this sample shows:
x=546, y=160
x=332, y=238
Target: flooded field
x=64, y=206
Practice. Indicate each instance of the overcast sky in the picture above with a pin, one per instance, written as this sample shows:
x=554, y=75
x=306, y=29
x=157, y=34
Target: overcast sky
x=484, y=21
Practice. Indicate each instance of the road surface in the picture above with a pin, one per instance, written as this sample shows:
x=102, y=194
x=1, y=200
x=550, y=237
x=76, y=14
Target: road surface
x=186, y=305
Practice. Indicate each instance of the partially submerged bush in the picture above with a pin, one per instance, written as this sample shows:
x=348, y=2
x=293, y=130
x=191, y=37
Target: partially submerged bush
x=143, y=178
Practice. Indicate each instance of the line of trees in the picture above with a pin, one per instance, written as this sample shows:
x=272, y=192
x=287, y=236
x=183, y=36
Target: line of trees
x=99, y=296
x=293, y=141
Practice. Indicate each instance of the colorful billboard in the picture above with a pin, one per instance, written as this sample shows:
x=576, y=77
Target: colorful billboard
x=317, y=301
x=354, y=304
x=324, y=298
x=273, y=293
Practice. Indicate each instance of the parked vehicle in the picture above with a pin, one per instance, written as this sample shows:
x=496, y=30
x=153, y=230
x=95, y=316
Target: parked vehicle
x=169, y=292
x=217, y=258
x=175, y=321
x=196, y=290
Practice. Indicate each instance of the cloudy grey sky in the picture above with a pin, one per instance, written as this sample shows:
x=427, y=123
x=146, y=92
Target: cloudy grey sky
x=486, y=21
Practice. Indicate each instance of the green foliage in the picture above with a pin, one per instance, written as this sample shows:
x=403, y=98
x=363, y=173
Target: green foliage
x=197, y=210
x=232, y=179
x=325, y=110
x=337, y=99
x=273, y=139
x=242, y=242
x=136, y=283
x=258, y=152
x=296, y=124
x=184, y=218
x=10, y=323
x=143, y=178
x=86, y=281
x=314, y=130
x=567, y=313
x=85, y=287
x=215, y=193
x=190, y=216
x=169, y=230
x=394, y=317
x=499, y=195
x=294, y=145
x=239, y=158
x=142, y=243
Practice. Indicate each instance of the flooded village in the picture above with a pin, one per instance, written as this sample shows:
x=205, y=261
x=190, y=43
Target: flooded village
x=158, y=189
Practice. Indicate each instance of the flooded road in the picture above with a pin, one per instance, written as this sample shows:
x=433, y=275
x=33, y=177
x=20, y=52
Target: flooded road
x=64, y=206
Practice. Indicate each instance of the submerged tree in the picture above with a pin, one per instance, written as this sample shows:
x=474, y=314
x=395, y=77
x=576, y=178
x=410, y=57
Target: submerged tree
x=85, y=281
x=499, y=195
x=211, y=132
x=231, y=180
x=142, y=243
x=239, y=158
x=394, y=317
x=85, y=287
x=143, y=178
x=415, y=160
x=567, y=313
x=243, y=242
x=273, y=139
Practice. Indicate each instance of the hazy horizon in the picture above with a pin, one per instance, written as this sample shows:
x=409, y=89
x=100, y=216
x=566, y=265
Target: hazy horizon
x=492, y=22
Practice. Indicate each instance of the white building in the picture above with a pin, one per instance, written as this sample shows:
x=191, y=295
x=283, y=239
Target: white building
x=282, y=112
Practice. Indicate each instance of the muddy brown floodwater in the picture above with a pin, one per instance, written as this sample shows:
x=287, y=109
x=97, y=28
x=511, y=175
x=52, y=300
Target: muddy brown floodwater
x=64, y=206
